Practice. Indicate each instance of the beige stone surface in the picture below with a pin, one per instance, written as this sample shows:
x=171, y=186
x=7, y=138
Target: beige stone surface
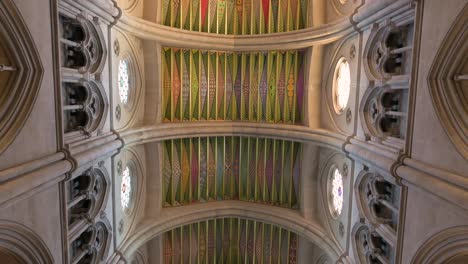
x=430, y=142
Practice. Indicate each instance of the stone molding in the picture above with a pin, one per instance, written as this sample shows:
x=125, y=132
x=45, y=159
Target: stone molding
x=165, y=131
x=140, y=258
x=445, y=85
x=299, y=39
x=171, y=218
x=105, y=9
x=24, y=243
x=443, y=246
x=26, y=73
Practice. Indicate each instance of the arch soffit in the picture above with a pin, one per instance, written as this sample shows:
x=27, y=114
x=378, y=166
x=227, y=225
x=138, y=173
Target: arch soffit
x=443, y=246
x=25, y=80
x=179, y=216
x=298, y=39
x=24, y=243
x=167, y=131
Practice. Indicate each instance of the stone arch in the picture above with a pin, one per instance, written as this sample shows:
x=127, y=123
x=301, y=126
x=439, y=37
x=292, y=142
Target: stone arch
x=83, y=44
x=92, y=244
x=369, y=246
x=192, y=214
x=139, y=258
x=85, y=107
x=89, y=193
x=21, y=73
x=448, y=83
x=447, y=246
x=22, y=244
x=385, y=50
x=378, y=200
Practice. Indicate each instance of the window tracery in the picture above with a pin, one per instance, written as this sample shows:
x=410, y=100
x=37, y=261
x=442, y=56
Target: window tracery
x=341, y=85
x=124, y=80
x=336, y=192
x=126, y=189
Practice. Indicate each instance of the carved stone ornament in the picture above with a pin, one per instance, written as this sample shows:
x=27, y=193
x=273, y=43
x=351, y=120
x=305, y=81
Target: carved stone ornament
x=116, y=47
x=20, y=73
x=121, y=226
x=341, y=229
x=118, y=112
x=352, y=52
x=349, y=116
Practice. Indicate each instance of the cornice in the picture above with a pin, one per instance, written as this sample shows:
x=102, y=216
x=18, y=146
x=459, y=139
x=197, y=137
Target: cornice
x=171, y=218
x=298, y=39
x=166, y=131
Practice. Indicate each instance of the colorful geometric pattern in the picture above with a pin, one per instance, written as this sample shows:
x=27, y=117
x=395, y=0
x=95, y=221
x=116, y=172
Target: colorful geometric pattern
x=230, y=240
x=235, y=17
x=231, y=168
x=245, y=86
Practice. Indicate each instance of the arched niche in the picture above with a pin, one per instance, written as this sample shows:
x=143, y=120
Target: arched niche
x=82, y=44
x=378, y=200
x=20, y=73
x=91, y=246
x=384, y=107
x=85, y=107
x=370, y=247
x=448, y=83
x=448, y=246
x=87, y=194
x=21, y=245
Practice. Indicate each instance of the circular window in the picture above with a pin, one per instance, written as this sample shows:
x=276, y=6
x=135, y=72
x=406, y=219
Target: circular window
x=125, y=189
x=335, y=187
x=124, y=80
x=341, y=85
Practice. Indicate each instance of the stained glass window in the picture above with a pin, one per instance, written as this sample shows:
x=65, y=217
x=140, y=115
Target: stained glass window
x=337, y=192
x=125, y=189
x=124, y=81
x=341, y=85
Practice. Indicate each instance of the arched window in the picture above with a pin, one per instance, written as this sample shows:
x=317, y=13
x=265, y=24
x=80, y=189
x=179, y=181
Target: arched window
x=341, y=85
x=124, y=80
x=335, y=188
x=126, y=189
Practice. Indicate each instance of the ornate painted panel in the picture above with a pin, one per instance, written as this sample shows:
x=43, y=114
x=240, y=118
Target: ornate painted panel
x=231, y=168
x=236, y=17
x=230, y=240
x=245, y=86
